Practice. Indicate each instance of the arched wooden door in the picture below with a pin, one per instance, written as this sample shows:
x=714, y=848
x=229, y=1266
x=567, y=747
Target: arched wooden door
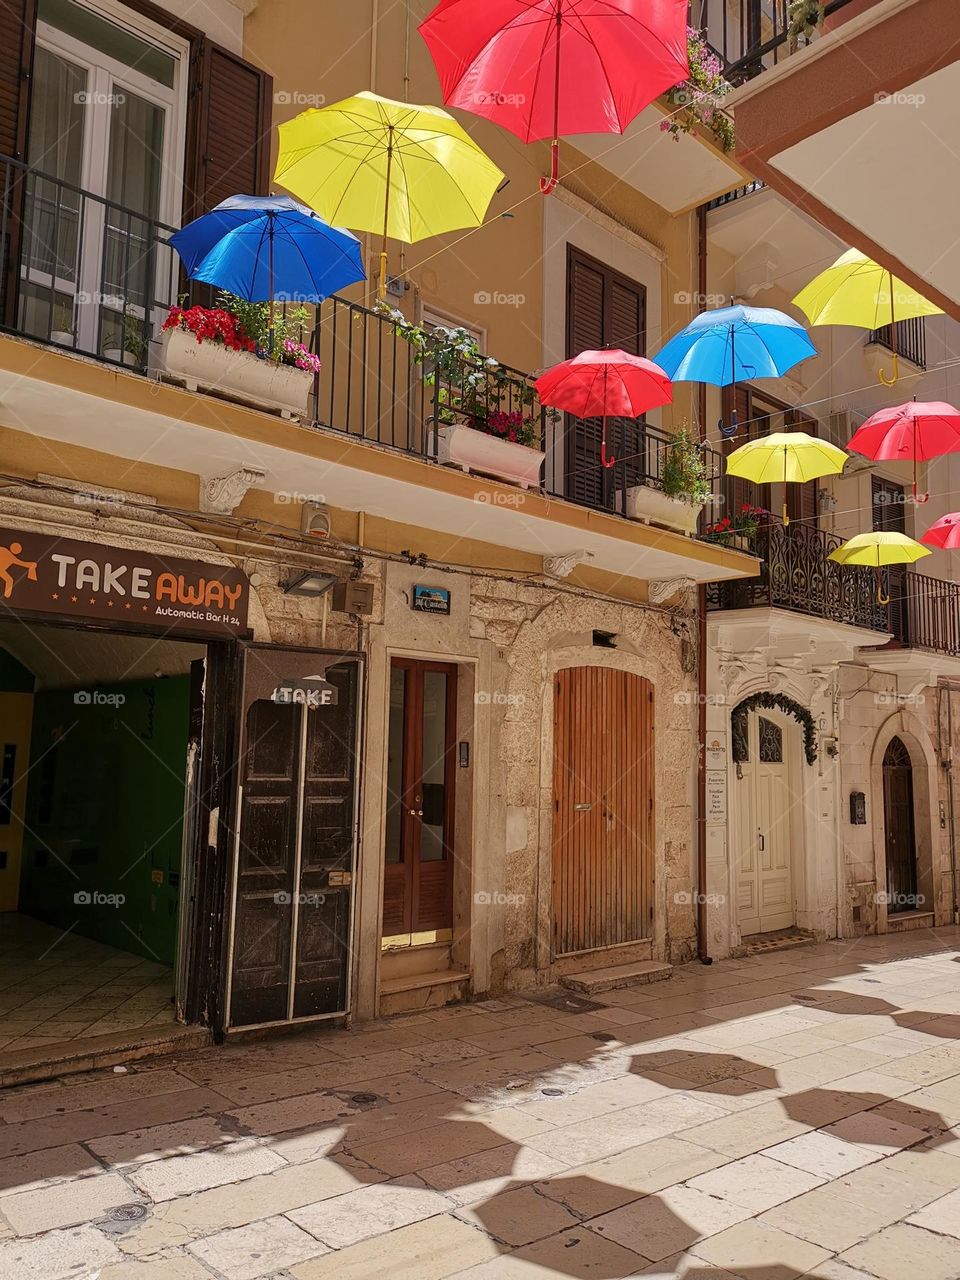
x=899, y=839
x=603, y=809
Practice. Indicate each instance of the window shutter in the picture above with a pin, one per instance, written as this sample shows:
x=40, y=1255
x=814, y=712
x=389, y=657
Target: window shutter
x=228, y=151
x=802, y=498
x=18, y=19
x=604, y=309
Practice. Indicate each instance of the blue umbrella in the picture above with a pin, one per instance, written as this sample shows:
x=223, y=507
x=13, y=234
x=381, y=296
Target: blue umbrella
x=733, y=344
x=268, y=248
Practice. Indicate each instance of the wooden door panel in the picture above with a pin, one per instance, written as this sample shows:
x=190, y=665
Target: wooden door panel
x=603, y=785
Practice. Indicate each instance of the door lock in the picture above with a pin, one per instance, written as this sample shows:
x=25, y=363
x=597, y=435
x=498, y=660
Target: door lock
x=760, y=838
x=416, y=813
x=583, y=807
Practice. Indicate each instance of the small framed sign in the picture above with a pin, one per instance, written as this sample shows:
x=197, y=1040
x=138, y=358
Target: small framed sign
x=430, y=599
x=311, y=691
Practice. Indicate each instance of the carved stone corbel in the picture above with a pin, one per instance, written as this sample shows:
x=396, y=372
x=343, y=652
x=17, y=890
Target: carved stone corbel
x=221, y=495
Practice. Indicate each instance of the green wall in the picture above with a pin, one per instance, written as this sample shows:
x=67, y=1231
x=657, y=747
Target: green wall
x=105, y=812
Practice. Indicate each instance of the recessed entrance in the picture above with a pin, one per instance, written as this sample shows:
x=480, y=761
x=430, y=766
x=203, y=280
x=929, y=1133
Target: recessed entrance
x=899, y=838
x=767, y=816
x=603, y=809
x=94, y=786
x=419, y=833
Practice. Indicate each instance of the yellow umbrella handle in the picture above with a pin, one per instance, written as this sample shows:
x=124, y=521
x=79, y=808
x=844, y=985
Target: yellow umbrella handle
x=382, y=282
x=891, y=382
x=881, y=598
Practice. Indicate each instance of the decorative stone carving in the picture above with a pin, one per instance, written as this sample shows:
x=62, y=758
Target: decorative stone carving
x=659, y=590
x=561, y=566
x=221, y=495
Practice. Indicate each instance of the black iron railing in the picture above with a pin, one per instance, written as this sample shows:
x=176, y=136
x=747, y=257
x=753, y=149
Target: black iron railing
x=911, y=340
x=796, y=574
x=924, y=612
x=86, y=274
x=750, y=36
x=81, y=271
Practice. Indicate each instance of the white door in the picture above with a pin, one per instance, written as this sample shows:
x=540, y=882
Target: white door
x=767, y=820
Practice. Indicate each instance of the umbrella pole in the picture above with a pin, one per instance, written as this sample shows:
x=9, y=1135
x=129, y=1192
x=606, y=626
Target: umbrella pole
x=605, y=462
x=917, y=497
x=889, y=382
x=786, y=518
x=549, y=185
x=270, y=240
x=382, y=282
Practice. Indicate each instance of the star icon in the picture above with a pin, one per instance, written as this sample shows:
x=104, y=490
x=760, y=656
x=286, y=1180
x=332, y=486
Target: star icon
x=109, y=604
x=73, y=599
x=54, y=595
x=127, y=605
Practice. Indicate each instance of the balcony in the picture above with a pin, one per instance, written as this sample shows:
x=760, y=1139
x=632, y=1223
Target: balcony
x=753, y=36
x=95, y=280
x=797, y=576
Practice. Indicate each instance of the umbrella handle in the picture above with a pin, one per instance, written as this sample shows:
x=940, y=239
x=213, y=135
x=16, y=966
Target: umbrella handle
x=605, y=461
x=382, y=282
x=920, y=498
x=549, y=185
x=891, y=382
x=881, y=598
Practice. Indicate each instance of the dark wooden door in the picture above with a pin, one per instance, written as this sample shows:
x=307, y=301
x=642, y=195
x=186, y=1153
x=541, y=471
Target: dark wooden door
x=603, y=809
x=421, y=774
x=604, y=309
x=901, y=852
x=295, y=843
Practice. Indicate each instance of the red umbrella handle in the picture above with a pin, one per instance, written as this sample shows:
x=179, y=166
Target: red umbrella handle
x=549, y=185
x=604, y=460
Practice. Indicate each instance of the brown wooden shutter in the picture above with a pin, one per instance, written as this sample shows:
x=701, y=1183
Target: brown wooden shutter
x=604, y=309
x=737, y=490
x=228, y=150
x=18, y=19
x=802, y=505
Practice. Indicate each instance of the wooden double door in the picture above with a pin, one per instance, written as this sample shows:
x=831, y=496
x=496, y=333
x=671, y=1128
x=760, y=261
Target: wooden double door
x=900, y=845
x=768, y=815
x=603, y=809
x=420, y=814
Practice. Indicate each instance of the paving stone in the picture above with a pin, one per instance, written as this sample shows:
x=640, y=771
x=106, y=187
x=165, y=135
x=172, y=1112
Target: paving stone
x=761, y=1252
x=67, y=1204
x=429, y=1250
x=904, y=1250
x=185, y=1175
x=57, y=1255
x=370, y=1211
x=267, y=1245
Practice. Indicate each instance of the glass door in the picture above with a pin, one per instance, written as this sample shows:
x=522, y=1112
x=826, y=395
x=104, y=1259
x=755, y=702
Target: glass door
x=421, y=763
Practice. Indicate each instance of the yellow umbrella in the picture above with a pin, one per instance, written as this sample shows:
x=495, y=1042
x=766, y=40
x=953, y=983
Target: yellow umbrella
x=790, y=457
x=373, y=164
x=878, y=550
x=859, y=292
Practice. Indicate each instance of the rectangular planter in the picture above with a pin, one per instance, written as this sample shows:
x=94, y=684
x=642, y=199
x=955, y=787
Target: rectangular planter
x=654, y=507
x=241, y=373
x=489, y=455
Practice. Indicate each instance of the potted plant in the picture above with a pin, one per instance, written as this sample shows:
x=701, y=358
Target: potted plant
x=230, y=348
x=487, y=419
x=133, y=336
x=683, y=489
x=804, y=17
x=63, y=333
x=699, y=100
x=738, y=531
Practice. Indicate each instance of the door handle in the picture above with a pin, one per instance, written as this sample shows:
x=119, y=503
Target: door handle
x=583, y=807
x=760, y=838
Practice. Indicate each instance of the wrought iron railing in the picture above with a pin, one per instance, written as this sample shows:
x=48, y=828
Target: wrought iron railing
x=86, y=274
x=911, y=340
x=751, y=36
x=81, y=271
x=796, y=574
x=924, y=612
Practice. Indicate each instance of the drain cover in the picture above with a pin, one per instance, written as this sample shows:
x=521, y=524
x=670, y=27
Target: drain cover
x=552, y=1093
x=127, y=1213
x=363, y=1099
x=604, y=1036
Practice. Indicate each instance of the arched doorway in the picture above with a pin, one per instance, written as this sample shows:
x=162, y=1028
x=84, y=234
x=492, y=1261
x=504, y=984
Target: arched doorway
x=899, y=835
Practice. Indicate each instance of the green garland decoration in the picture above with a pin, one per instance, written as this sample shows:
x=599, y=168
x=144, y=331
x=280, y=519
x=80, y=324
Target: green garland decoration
x=770, y=702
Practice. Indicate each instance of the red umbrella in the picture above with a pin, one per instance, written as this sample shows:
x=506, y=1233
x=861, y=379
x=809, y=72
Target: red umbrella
x=918, y=430
x=944, y=533
x=605, y=384
x=545, y=68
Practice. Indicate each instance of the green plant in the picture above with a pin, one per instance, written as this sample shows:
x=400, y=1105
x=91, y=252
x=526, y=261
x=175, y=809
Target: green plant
x=135, y=337
x=699, y=99
x=469, y=386
x=803, y=18
x=63, y=319
x=289, y=326
x=683, y=474
x=765, y=700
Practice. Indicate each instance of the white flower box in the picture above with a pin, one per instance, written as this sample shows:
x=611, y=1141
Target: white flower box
x=652, y=506
x=215, y=367
x=490, y=455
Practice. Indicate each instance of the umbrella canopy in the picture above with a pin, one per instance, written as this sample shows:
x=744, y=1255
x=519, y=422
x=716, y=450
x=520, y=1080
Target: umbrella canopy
x=857, y=291
x=388, y=167
x=605, y=384
x=917, y=431
x=547, y=68
x=790, y=457
x=263, y=248
x=879, y=550
x=733, y=344
x=944, y=533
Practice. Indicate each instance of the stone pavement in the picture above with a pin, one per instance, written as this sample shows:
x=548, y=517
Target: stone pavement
x=791, y=1114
